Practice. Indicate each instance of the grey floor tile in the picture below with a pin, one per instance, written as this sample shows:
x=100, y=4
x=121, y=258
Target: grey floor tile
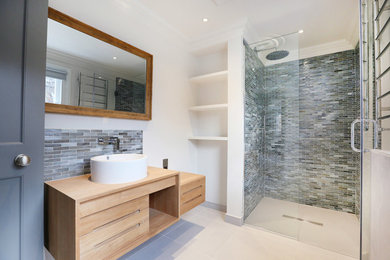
x=140, y=247
x=161, y=248
x=164, y=245
x=173, y=227
x=185, y=232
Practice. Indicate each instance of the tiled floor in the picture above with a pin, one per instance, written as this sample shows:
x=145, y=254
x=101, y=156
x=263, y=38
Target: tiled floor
x=329, y=229
x=164, y=245
x=202, y=234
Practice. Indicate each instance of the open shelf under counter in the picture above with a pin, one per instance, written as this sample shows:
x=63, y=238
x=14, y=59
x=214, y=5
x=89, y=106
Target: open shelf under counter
x=210, y=78
x=208, y=138
x=158, y=221
x=209, y=107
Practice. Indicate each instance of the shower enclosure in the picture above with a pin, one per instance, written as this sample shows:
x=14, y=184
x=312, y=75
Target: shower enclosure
x=317, y=130
x=302, y=178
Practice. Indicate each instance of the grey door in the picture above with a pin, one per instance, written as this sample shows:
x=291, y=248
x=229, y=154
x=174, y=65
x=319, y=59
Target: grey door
x=22, y=67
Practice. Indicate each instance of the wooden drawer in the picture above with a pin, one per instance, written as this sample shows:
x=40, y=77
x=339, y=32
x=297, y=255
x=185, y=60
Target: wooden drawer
x=111, y=246
x=89, y=207
x=191, y=194
x=193, y=183
x=111, y=230
x=96, y=220
x=188, y=205
x=192, y=191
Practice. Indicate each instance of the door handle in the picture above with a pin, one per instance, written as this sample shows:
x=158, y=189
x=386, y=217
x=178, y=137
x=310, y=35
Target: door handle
x=22, y=160
x=353, y=133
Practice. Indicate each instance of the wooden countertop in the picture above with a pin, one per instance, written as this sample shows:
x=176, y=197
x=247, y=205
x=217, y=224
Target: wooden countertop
x=186, y=177
x=81, y=188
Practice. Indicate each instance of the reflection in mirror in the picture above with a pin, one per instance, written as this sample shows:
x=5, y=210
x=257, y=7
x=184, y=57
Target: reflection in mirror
x=84, y=71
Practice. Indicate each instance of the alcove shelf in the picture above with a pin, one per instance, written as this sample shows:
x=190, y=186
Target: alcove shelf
x=208, y=138
x=210, y=77
x=209, y=107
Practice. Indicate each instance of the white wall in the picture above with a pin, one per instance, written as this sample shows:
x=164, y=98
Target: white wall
x=380, y=207
x=166, y=135
x=236, y=147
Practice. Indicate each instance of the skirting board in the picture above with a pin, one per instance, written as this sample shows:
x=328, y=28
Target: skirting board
x=238, y=221
x=215, y=206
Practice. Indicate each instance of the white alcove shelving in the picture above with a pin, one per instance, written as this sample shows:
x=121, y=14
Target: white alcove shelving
x=208, y=114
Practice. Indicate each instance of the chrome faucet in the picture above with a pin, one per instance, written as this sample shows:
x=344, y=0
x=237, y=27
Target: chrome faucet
x=110, y=140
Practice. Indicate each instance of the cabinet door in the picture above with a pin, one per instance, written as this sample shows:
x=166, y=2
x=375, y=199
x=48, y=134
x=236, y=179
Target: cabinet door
x=22, y=68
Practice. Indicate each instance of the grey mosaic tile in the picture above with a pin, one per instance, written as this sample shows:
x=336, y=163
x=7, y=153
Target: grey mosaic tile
x=68, y=152
x=254, y=130
x=129, y=96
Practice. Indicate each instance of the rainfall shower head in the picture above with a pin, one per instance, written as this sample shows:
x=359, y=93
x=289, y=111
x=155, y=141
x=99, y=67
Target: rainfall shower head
x=271, y=47
x=277, y=55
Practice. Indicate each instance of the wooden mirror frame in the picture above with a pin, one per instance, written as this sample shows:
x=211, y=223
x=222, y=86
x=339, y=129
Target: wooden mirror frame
x=86, y=111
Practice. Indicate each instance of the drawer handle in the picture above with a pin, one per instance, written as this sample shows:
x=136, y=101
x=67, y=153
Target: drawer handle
x=116, y=220
x=188, y=201
x=118, y=235
x=192, y=189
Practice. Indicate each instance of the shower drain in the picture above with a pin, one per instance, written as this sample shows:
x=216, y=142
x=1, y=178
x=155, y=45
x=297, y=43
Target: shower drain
x=301, y=219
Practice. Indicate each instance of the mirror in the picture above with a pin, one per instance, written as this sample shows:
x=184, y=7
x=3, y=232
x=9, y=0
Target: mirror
x=89, y=72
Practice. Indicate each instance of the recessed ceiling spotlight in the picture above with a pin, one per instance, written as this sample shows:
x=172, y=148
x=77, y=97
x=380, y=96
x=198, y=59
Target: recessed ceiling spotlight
x=300, y=31
x=114, y=58
x=205, y=20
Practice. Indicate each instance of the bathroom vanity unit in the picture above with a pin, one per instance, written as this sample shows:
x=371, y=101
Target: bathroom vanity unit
x=87, y=220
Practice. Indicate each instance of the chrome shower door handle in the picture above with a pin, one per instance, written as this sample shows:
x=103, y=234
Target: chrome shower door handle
x=353, y=135
x=374, y=122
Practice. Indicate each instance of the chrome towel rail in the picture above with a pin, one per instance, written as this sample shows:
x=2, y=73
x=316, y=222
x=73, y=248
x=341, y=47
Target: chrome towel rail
x=383, y=73
x=383, y=51
x=384, y=95
x=384, y=117
x=380, y=84
x=381, y=9
x=383, y=29
x=96, y=86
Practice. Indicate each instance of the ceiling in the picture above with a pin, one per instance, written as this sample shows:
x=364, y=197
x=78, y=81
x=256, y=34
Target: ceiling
x=323, y=21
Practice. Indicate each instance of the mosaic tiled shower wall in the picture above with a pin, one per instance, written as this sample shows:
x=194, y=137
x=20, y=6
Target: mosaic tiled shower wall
x=302, y=138
x=68, y=152
x=129, y=96
x=254, y=130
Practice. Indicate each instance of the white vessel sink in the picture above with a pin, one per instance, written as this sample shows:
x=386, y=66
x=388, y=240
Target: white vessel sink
x=118, y=168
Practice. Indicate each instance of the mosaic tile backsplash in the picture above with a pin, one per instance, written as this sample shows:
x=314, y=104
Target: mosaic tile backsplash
x=304, y=154
x=68, y=152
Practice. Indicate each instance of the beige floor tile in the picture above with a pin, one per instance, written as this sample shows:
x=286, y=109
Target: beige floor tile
x=222, y=241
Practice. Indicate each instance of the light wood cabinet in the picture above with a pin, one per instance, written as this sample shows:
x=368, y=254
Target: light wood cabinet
x=86, y=220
